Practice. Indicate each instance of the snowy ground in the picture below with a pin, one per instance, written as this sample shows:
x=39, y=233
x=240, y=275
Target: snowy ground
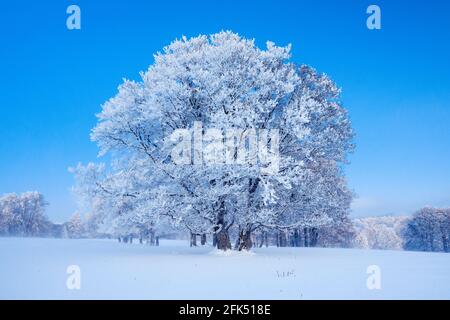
x=36, y=269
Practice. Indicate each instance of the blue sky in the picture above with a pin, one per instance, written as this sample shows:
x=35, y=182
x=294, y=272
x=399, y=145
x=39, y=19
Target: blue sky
x=395, y=82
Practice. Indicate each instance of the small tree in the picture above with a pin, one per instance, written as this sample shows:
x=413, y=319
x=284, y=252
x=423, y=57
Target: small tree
x=75, y=226
x=23, y=214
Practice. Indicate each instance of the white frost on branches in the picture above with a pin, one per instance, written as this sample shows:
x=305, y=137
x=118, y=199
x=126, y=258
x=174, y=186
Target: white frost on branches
x=223, y=81
x=23, y=215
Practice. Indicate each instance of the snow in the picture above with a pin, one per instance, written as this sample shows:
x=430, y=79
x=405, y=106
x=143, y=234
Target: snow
x=32, y=268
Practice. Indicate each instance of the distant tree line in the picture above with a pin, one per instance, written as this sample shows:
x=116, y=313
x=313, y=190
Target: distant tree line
x=383, y=232
x=23, y=215
x=428, y=230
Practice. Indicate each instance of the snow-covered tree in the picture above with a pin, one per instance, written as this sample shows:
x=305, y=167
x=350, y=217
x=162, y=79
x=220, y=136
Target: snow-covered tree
x=75, y=226
x=8, y=212
x=340, y=233
x=33, y=214
x=428, y=230
x=384, y=232
x=221, y=88
x=23, y=214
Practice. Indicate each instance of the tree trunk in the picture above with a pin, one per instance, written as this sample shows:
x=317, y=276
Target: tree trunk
x=193, y=240
x=282, y=238
x=306, y=237
x=445, y=243
x=223, y=240
x=314, y=234
x=245, y=240
x=157, y=241
x=296, y=238
x=261, y=240
x=238, y=241
x=266, y=240
x=203, y=239
x=152, y=237
x=292, y=239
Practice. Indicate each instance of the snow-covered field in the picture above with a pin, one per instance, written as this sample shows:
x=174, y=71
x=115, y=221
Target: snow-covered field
x=36, y=269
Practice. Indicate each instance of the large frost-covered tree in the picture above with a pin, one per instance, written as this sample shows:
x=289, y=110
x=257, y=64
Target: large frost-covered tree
x=223, y=93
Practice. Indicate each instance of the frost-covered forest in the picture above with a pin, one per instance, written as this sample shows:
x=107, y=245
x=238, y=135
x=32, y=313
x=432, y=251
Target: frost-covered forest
x=427, y=230
x=228, y=144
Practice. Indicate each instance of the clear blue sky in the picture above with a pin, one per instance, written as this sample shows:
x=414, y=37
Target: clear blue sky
x=395, y=81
